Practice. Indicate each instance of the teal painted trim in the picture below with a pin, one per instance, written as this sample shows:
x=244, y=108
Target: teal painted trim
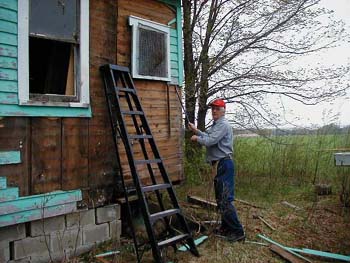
x=320, y=253
x=3, y=182
x=42, y=111
x=283, y=247
x=173, y=57
x=8, y=86
x=8, y=74
x=179, y=43
x=7, y=62
x=8, y=51
x=172, y=21
x=8, y=27
x=173, y=41
x=9, y=194
x=175, y=3
x=7, y=38
x=27, y=203
x=9, y=4
x=8, y=98
x=174, y=65
x=10, y=157
x=174, y=73
x=37, y=214
x=197, y=242
x=8, y=15
x=173, y=49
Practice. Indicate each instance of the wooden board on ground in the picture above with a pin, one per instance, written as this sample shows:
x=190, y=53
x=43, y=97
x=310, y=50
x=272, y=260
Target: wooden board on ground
x=285, y=254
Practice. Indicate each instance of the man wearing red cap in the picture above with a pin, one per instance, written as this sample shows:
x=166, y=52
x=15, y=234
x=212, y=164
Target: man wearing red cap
x=218, y=140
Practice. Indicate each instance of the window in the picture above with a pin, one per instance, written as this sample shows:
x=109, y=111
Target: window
x=150, y=49
x=53, y=53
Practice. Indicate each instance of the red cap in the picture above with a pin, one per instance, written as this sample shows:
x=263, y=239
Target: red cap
x=218, y=103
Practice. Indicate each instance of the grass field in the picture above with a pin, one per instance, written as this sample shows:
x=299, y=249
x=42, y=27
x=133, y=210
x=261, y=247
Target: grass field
x=269, y=172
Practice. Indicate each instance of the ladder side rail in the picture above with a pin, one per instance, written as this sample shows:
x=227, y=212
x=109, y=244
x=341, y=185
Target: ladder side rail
x=145, y=154
x=164, y=174
x=106, y=79
x=137, y=183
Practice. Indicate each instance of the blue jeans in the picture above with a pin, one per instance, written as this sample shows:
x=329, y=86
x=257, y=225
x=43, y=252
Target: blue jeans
x=224, y=183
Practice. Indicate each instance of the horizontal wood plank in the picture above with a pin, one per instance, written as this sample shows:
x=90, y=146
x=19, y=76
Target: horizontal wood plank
x=9, y=4
x=8, y=86
x=8, y=98
x=10, y=157
x=8, y=62
x=8, y=50
x=8, y=39
x=8, y=14
x=41, y=201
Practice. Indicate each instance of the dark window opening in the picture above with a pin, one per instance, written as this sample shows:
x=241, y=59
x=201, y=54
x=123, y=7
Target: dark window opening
x=51, y=67
x=152, y=53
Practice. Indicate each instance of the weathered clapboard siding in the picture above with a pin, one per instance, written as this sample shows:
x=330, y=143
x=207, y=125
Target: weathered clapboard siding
x=70, y=153
x=29, y=208
x=9, y=71
x=166, y=126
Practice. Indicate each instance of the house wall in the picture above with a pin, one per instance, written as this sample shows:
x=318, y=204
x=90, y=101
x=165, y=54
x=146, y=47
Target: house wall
x=159, y=101
x=71, y=153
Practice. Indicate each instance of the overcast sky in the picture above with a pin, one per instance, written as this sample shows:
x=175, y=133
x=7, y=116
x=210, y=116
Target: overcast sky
x=323, y=113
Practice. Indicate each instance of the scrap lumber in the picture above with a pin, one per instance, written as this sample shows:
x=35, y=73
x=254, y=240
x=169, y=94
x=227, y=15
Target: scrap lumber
x=283, y=247
x=202, y=202
x=197, y=241
x=247, y=203
x=266, y=223
x=290, y=205
x=284, y=254
x=211, y=204
x=321, y=254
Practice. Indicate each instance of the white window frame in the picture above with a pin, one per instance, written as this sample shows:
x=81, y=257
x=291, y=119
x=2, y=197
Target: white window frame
x=136, y=23
x=23, y=58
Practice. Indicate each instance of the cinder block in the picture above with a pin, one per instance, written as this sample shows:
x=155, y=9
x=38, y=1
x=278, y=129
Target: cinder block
x=11, y=233
x=47, y=226
x=115, y=229
x=22, y=260
x=81, y=218
x=79, y=250
x=4, y=251
x=68, y=239
x=95, y=234
x=107, y=213
x=32, y=246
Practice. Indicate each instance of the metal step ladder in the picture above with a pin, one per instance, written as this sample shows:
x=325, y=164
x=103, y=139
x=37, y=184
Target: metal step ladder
x=128, y=119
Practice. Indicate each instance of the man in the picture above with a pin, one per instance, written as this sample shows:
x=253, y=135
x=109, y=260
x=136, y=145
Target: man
x=218, y=141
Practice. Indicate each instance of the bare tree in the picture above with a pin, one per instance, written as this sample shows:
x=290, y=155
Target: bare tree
x=243, y=51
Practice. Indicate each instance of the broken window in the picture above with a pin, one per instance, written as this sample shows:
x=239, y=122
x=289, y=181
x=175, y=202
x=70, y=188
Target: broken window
x=57, y=64
x=150, y=49
x=53, y=41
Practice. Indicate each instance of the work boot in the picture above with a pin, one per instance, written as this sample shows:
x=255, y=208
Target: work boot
x=230, y=236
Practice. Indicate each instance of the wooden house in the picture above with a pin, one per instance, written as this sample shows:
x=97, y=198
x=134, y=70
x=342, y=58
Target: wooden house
x=55, y=131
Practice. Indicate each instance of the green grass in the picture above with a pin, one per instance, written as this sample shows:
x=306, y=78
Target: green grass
x=270, y=169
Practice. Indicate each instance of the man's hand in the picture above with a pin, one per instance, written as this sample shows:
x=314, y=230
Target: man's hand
x=194, y=138
x=192, y=127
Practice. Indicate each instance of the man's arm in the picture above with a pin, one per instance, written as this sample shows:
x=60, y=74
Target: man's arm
x=216, y=134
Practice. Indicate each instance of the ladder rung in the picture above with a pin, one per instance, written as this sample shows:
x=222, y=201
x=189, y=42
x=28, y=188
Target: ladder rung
x=125, y=89
x=155, y=187
x=140, y=136
x=173, y=240
x=132, y=112
x=148, y=161
x=162, y=214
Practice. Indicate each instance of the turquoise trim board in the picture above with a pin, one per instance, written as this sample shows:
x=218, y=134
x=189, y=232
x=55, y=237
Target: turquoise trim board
x=10, y=193
x=3, y=183
x=9, y=102
x=34, y=207
x=10, y=157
